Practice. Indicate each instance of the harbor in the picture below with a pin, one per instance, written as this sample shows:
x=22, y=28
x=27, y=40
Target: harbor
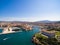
x=21, y=38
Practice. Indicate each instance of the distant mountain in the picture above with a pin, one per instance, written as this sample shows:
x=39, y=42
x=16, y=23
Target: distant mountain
x=57, y=22
x=45, y=21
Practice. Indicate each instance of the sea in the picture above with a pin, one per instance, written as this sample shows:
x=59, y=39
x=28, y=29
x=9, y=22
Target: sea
x=18, y=38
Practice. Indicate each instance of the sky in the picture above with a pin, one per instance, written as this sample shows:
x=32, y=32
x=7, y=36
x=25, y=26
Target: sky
x=29, y=10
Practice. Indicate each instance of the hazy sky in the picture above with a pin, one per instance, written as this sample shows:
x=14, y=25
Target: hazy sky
x=29, y=10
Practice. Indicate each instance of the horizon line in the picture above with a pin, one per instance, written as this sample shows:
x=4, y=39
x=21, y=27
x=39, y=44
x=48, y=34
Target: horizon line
x=28, y=21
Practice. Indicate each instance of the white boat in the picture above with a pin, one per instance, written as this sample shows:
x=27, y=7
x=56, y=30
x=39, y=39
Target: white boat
x=5, y=38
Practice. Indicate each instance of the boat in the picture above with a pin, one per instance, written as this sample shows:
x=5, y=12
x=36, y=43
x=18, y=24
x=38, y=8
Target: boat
x=5, y=38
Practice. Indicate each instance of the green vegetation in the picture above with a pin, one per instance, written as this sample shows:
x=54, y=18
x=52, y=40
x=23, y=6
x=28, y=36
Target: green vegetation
x=46, y=41
x=58, y=33
x=57, y=36
x=41, y=38
x=38, y=35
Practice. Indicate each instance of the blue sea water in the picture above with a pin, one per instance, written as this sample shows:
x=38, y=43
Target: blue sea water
x=19, y=38
x=0, y=30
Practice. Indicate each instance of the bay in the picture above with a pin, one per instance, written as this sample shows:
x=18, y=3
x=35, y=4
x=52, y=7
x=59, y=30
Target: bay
x=19, y=38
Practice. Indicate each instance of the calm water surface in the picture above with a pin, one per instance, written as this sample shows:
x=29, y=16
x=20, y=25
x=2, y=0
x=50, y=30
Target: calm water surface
x=20, y=38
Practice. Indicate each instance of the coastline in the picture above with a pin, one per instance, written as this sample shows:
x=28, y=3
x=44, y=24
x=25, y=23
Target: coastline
x=35, y=40
x=40, y=39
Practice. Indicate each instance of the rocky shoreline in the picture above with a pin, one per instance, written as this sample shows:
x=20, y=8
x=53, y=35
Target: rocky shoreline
x=35, y=40
x=40, y=39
